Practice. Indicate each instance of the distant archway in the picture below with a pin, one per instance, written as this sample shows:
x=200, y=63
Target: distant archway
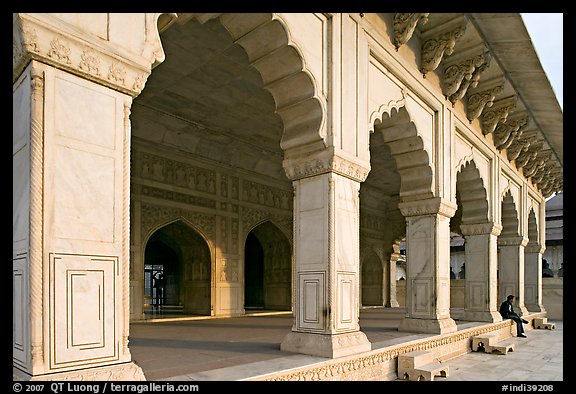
x=267, y=269
x=183, y=257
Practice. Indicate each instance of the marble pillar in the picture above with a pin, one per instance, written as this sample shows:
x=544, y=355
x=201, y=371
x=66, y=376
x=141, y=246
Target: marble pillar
x=511, y=268
x=533, y=278
x=481, y=297
x=428, y=266
x=327, y=268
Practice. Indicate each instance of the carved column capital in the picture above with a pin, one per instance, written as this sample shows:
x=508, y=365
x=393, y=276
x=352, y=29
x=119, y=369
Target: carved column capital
x=534, y=248
x=404, y=25
x=481, y=228
x=513, y=241
x=430, y=206
x=324, y=161
x=49, y=40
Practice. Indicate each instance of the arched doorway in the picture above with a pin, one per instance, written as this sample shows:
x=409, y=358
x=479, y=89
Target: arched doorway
x=267, y=269
x=372, y=280
x=181, y=256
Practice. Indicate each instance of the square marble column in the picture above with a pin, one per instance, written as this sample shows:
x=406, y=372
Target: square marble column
x=533, y=278
x=71, y=228
x=327, y=261
x=511, y=267
x=428, y=266
x=481, y=298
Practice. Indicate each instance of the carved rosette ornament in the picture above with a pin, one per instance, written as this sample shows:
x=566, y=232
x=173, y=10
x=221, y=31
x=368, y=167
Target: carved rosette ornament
x=404, y=26
x=434, y=49
x=478, y=101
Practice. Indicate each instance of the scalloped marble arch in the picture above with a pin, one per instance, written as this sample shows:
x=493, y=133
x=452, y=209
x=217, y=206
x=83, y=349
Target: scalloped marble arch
x=533, y=227
x=406, y=146
x=281, y=63
x=509, y=213
x=473, y=197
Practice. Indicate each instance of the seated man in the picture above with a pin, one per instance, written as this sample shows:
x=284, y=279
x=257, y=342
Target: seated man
x=507, y=312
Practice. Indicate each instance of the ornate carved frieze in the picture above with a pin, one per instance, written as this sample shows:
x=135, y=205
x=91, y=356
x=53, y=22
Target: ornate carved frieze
x=431, y=206
x=177, y=197
x=47, y=39
x=498, y=112
x=266, y=195
x=404, y=25
x=154, y=215
x=439, y=42
x=351, y=367
x=479, y=100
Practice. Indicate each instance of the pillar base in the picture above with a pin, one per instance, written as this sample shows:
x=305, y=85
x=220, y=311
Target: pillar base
x=125, y=371
x=326, y=345
x=431, y=325
x=484, y=316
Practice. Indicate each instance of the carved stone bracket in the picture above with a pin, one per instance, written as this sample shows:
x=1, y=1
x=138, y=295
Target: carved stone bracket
x=472, y=82
x=477, y=101
x=49, y=40
x=481, y=228
x=534, y=248
x=431, y=206
x=497, y=113
x=460, y=67
x=321, y=162
x=529, y=154
x=439, y=42
x=506, y=132
x=404, y=25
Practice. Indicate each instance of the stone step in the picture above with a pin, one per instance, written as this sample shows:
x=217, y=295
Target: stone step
x=542, y=323
x=420, y=365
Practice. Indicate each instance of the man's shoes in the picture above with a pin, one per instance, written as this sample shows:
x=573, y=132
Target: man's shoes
x=522, y=336
x=524, y=321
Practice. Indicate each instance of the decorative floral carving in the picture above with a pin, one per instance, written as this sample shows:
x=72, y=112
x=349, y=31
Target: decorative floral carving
x=90, y=62
x=59, y=51
x=117, y=73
